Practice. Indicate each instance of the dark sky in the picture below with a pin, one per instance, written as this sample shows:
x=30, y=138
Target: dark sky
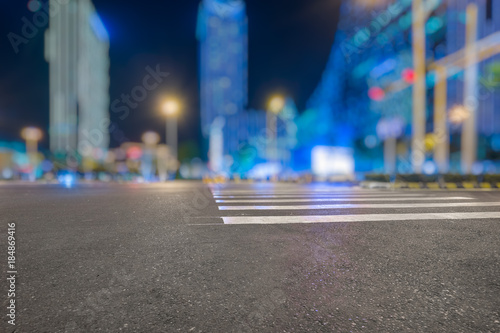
x=289, y=45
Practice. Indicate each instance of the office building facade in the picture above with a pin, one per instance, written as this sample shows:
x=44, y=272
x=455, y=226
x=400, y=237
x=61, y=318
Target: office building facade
x=222, y=32
x=77, y=49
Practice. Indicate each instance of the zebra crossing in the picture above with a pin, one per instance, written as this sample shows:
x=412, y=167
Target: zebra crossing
x=294, y=204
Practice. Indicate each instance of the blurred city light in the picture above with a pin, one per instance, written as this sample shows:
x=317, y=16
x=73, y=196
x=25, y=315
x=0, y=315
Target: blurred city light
x=171, y=107
x=134, y=153
x=376, y=93
x=276, y=104
x=31, y=134
x=168, y=158
x=150, y=138
x=332, y=161
x=67, y=179
x=458, y=114
x=408, y=75
x=409, y=87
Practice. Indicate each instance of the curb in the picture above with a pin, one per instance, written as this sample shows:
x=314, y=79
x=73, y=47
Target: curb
x=433, y=185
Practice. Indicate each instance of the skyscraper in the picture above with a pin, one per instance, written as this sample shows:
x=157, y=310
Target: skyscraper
x=222, y=34
x=77, y=48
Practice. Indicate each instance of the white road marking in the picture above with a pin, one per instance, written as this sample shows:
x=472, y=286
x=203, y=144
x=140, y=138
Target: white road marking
x=357, y=218
x=321, y=195
x=371, y=206
x=339, y=199
x=295, y=191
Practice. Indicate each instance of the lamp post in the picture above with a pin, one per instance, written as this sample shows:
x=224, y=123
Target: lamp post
x=419, y=85
x=32, y=135
x=442, y=150
x=275, y=106
x=171, y=108
x=469, y=127
x=150, y=140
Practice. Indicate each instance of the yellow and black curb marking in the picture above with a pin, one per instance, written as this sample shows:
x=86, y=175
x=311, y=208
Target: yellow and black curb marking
x=449, y=186
x=442, y=186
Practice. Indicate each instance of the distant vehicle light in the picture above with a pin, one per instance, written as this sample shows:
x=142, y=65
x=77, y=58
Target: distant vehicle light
x=66, y=179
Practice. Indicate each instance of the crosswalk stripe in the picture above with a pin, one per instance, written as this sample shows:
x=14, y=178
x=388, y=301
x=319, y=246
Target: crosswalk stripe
x=338, y=199
x=371, y=206
x=315, y=195
x=277, y=201
x=292, y=191
x=357, y=218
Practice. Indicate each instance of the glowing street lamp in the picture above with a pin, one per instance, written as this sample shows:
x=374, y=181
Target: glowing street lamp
x=150, y=140
x=171, y=108
x=275, y=106
x=32, y=135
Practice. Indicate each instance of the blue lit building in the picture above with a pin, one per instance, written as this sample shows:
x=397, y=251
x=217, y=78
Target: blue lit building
x=340, y=108
x=223, y=37
x=372, y=48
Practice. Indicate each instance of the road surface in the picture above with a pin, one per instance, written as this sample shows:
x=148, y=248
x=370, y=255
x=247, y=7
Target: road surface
x=188, y=257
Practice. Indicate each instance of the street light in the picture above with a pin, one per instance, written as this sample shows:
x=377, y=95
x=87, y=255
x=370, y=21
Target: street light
x=150, y=140
x=275, y=106
x=32, y=135
x=171, y=108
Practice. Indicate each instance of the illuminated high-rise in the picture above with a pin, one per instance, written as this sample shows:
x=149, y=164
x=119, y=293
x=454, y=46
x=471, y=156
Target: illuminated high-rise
x=77, y=49
x=222, y=34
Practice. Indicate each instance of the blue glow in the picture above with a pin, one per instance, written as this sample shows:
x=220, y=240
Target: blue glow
x=66, y=179
x=226, y=8
x=383, y=68
x=433, y=25
x=98, y=27
x=495, y=142
x=222, y=33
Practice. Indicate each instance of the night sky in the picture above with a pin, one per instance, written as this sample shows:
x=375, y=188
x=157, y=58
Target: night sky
x=289, y=45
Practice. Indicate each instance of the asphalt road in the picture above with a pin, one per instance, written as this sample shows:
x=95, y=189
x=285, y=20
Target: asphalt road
x=263, y=258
